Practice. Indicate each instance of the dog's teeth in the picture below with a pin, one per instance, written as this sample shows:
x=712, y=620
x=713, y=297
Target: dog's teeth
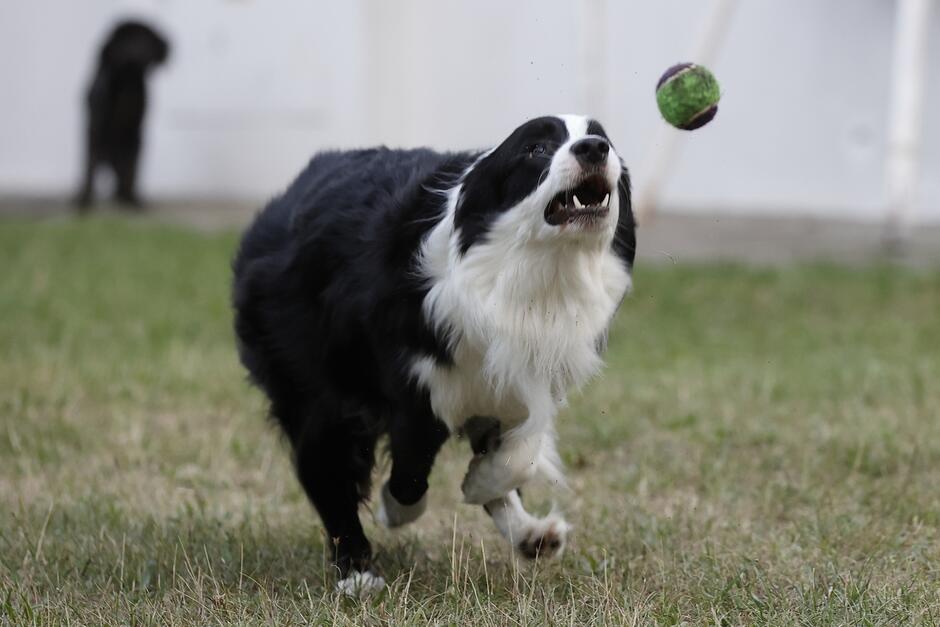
x=606, y=200
x=577, y=202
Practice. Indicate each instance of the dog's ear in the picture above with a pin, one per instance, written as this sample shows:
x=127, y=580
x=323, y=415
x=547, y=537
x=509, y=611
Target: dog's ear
x=625, y=235
x=122, y=46
x=110, y=52
x=479, y=200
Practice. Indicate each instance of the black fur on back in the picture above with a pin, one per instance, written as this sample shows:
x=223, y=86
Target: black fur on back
x=326, y=284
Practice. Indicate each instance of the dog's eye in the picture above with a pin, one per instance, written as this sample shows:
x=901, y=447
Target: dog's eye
x=535, y=149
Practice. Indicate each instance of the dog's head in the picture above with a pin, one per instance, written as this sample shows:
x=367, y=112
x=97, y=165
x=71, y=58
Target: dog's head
x=134, y=46
x=555, y=178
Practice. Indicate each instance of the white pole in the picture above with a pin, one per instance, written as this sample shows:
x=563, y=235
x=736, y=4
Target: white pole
x=593, y=36
x=666, y=142
x=908, y=79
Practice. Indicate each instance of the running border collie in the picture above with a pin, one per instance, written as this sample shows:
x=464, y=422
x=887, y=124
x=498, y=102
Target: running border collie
x=417, y=294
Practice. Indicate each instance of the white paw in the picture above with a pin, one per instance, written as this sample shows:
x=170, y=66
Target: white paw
x=359, y=585
x=544, y=537
x=393, y=514
x=487, y=479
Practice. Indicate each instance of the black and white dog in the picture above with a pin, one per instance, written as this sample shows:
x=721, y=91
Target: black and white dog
x=419, y=294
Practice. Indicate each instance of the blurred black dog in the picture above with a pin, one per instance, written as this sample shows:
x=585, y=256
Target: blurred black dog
x=117, y=103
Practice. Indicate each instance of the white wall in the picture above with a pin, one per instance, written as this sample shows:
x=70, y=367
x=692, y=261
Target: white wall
x=254, y=88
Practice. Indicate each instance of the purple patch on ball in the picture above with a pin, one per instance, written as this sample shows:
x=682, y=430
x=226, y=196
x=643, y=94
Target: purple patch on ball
x=672, y=72
x=701, y=119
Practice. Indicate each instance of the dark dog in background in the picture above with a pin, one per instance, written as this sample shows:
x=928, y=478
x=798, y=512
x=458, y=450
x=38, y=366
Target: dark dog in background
x=117, y=104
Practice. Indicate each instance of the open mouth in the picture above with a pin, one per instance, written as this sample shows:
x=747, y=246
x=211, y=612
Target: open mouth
x=586, y=203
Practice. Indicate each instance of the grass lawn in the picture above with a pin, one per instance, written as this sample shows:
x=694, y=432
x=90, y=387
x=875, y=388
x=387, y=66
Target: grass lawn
x=764, y=447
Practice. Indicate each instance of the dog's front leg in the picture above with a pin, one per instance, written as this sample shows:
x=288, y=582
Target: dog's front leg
x=505, y=463
x=529, y=535
x=532, y=537
x=496, y=473
x=518, y=454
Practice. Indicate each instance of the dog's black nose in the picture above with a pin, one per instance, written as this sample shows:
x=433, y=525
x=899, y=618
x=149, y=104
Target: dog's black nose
x=591, y=151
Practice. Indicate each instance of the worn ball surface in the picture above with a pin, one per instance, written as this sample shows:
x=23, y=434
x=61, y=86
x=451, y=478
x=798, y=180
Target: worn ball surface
x=687, y=96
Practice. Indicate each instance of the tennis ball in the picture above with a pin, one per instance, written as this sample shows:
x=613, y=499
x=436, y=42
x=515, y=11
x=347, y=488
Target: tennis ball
x=687, y=96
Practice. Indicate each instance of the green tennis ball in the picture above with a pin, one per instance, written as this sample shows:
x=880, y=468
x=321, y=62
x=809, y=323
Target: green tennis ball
x=687, y=96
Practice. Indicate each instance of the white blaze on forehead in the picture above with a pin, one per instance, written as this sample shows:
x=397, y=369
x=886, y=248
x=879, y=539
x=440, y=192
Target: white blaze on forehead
x=576, y=124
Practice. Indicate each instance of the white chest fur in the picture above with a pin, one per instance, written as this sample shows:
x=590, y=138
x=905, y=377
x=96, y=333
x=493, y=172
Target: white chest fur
x=523, y=323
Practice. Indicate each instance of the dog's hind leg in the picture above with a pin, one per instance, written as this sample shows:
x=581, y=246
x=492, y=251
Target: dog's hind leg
x=333, y=465
x=415, y=437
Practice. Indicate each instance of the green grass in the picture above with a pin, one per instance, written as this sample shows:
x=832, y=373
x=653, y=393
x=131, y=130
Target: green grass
x=764, y=448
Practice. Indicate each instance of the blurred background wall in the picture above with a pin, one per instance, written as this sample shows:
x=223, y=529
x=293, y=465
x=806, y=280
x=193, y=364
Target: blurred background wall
x=254, y=88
